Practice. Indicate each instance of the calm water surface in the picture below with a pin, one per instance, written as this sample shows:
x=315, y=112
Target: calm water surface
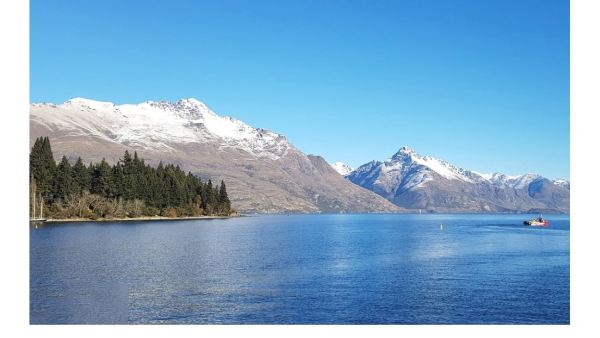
x=303, y=269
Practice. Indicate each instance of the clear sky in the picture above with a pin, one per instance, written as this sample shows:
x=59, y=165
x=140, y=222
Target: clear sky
x=482, y=84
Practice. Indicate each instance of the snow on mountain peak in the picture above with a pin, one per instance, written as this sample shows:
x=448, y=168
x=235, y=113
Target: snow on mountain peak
x=514, y=181
x=524, y=180
x=341, y=167
x=80, y=101
x=155, y=125
x=192, y=103
x=408, y=157
x=404, y=151
x=563, y=182
x=411, y=180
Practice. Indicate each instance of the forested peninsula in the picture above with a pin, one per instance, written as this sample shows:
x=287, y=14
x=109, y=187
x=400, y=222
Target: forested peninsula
x=128, y=189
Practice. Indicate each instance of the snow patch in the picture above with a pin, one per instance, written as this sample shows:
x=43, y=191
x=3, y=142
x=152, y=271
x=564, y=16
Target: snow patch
x=408, y=156
x=342, y=168
x=562, y=182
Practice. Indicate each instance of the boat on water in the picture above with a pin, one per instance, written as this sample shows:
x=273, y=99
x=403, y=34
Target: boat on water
x=36, y=220
x=537, y=222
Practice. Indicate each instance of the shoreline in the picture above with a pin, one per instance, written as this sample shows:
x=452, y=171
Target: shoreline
x=134, y=219
x=163, y=218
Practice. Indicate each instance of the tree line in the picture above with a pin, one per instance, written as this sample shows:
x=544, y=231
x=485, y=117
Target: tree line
x=129, y=188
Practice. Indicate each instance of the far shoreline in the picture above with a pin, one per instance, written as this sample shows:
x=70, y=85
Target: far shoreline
x=132, y=219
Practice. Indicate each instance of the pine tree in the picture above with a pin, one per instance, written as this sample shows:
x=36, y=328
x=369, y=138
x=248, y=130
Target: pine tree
x=101, y=189
x=210, y=200
x=224, y=199
x=81, y=176
x=118, y=181
x=42, y=167
x=102, y=179
x=64, y=185
x=128, y=176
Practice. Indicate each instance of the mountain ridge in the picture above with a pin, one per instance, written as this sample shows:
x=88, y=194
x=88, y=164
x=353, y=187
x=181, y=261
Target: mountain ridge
x=264, y=172
x=269, y=174
x=414, y=181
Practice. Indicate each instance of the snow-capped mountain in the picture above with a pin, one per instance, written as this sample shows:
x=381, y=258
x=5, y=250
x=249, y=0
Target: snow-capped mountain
x=264, y=172
x=156, y=125
x=341, y=167
x=561, y=182
x=506, y=181
x=424, y=182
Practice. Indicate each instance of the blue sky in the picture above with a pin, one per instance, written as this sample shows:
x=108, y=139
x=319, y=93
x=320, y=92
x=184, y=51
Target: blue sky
x=482, y=84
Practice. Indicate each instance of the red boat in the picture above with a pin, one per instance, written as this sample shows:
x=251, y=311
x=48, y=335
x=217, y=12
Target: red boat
x=537, y=222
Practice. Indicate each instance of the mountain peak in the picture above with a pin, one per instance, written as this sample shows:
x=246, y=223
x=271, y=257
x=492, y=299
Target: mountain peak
x=404, y=154
x=405, y=150
x=415, y=181
x=187, y=103
x=191, y=103
x=563, y=182
x=78, y=100
x=88, y=102
x=263, y=171
x=191, y=100
x=341, y=167
x=159, y=125
x=407, y=158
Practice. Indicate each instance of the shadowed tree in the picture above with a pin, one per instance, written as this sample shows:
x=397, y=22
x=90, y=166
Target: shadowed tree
x=42, y=167
x=81, y=176
x=64, y=185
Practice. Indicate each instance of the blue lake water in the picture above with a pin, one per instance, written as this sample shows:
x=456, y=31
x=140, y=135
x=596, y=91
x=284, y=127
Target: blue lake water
x=314, y=269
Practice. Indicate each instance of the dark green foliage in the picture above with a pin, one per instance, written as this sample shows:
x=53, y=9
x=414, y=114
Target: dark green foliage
x=82, y=176
x=42, y=167
x=224, y=201
x=102, y=180
x=64, y=183
x=128, y=188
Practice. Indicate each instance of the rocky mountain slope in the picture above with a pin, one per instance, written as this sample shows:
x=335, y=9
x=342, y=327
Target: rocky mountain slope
x=263, y=171
x=423, y=182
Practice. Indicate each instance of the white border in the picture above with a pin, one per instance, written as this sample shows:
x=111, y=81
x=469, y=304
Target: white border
x=585, y=96
x=14, y=91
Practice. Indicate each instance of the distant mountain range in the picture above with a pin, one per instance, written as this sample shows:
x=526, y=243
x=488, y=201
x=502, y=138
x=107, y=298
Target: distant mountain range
x=264, y=172
x=412, y=181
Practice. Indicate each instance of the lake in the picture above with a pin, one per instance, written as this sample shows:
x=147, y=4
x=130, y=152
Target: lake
x=303, y=269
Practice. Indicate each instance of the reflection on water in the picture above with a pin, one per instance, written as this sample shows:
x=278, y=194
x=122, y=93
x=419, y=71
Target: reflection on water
x=303, y=269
